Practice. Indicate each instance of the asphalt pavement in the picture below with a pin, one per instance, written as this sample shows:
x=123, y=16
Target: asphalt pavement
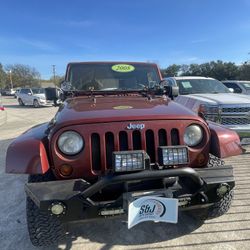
x=230, y=231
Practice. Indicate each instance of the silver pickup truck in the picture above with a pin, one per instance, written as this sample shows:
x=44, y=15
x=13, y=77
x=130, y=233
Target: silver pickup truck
x=215, y=101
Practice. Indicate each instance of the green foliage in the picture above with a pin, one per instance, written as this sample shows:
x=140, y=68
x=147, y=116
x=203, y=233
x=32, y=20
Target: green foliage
x=3, y=77
x=244, y=72
x=216, y=69
x=22, y=76
x=171, y=70
x=57, y=80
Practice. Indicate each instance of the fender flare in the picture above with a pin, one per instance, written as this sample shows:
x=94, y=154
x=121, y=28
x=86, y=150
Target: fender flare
x=27, y=153
x=224, y=142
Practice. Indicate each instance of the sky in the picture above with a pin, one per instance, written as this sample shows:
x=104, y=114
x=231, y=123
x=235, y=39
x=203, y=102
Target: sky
x=43, y=33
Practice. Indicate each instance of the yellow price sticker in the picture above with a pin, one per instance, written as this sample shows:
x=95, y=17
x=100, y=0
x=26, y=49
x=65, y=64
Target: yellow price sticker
x=124, y=68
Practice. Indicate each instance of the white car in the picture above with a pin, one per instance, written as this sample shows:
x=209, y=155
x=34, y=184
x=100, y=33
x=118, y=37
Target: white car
x=35, y=97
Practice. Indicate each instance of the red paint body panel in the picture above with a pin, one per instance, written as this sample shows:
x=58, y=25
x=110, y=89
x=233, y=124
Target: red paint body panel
x=224, y=142
x=27, y=153
x=82, y=110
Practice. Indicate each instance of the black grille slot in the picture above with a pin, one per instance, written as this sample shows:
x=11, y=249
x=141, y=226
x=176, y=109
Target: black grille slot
x=162, y=135
x=136, y=140
x=96, y=151
x=110, y=146
x=150, y=144
x=236, y=109
x=123, y=141
x=175, y=137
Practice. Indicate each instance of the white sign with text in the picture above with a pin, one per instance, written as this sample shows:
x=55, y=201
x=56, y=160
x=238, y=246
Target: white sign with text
x=151, y=208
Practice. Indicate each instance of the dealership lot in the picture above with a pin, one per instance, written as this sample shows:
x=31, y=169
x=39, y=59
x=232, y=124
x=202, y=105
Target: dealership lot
x=231, y=231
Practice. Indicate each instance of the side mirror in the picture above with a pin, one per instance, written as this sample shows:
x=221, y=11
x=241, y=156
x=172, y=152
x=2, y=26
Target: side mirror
x=29, y=93
x=175, y=91
x=231, y=90
x=172, y=91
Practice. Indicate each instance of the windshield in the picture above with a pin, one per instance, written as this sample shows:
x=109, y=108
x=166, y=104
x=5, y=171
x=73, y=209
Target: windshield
x=108, y=76
x=201, y=86
x=38, y=91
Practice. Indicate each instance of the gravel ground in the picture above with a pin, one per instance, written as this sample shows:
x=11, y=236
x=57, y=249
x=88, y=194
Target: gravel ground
x=231, y=231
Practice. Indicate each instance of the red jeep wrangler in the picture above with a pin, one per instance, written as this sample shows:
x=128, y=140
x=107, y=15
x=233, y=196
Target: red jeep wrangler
x=119, y=145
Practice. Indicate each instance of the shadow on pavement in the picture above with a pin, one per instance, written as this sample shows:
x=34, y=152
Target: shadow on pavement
x=111, y=232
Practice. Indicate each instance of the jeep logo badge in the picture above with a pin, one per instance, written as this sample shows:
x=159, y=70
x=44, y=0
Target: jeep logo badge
x=136, y=126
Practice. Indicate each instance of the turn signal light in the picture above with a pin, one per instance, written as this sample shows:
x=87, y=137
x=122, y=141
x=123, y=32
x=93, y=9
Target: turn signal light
x=66, y=170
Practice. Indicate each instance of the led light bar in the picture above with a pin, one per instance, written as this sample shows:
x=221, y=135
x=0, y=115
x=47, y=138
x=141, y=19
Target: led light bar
x=124, y=161
x=173, y=155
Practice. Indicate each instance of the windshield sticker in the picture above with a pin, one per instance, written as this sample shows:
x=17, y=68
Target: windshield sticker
x=186, y=85
x=124, y=68
x=123, y=107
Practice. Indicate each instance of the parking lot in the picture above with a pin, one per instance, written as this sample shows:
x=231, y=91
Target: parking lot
x=231, y=231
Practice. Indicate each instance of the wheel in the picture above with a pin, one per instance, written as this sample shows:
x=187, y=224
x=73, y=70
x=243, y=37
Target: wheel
x=44, y=230
x=221, y=207
x=20, y=102
x=36, y=104
x=218, y=208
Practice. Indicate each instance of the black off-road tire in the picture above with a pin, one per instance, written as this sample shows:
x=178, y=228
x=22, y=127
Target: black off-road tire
x=44, y=229
x=221, y=207
x=218, y=208
x=215, y=161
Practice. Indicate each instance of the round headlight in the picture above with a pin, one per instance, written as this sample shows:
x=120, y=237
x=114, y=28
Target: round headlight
x=193, y=135
x=70, y=143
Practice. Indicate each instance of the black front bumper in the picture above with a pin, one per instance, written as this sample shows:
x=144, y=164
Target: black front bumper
x=194, y=188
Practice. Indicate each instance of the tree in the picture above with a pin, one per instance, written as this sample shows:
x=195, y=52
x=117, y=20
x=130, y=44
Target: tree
x=23, y=75
x=216, y=69
x=171, y=70
x=57, y=80
x=3, y=77
x=244, y=71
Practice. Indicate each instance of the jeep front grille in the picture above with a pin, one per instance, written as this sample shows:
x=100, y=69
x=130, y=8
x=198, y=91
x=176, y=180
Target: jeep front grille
x=129, y=140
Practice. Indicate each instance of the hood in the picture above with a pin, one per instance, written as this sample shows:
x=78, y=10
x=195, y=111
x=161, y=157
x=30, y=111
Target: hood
x=81, y=110
x=222, y=98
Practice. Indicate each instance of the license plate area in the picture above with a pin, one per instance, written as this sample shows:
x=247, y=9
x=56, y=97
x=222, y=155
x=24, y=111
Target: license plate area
x=152, y=208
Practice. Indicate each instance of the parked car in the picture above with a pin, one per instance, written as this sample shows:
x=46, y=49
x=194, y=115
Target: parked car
x=8, y=92
x=119, y=145
x=17, y=92
x=241, y=87
x=33, y=96
x=3, y=115
x=215, y=101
